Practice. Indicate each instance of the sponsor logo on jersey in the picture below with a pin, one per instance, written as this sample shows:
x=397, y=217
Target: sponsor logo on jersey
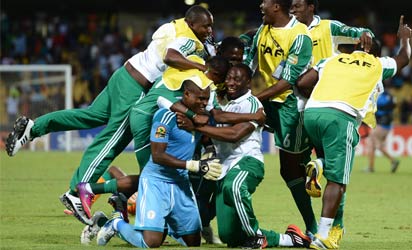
x=347, y=60
x=273, y=52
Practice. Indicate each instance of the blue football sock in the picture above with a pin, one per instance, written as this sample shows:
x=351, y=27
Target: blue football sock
x=129, y=234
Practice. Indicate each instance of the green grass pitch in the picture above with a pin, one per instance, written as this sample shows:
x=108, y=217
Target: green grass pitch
x=378, y=212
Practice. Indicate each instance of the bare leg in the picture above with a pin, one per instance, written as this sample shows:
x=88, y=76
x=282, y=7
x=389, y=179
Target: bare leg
x=116, y=172
x=371, y=152
x=385, y=153
x=128, y=184
x=331, y=198
x=192, y=240
x=153, y=239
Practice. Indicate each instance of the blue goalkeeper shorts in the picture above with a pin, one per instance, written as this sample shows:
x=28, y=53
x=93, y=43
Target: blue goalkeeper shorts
x=161, y=204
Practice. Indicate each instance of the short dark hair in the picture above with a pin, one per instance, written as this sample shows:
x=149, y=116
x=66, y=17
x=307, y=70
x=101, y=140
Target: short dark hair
x=219, y=63
x=229, y=43
x=349, y=48
x=376, y=47
x=284, y=4
x=244, y=67
x=193, y=13
x=190, y=86
x=315, y=4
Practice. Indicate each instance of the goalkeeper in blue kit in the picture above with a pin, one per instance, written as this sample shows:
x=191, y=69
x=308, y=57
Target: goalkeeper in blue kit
x=165, y=196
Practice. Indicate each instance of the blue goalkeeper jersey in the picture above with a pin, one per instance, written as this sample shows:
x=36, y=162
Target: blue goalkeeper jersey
x=180, y=144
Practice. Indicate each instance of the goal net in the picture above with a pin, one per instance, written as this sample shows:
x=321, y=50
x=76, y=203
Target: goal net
x=34, y=90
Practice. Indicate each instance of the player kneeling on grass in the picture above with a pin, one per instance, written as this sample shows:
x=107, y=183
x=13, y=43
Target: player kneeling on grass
x=239, y=148
x=345, y=90
x=165, y=196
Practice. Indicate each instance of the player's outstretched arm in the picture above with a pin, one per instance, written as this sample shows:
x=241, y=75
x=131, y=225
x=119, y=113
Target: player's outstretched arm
x=175, y=59
x=221, y=116
x=230, y=134
x=404, y=54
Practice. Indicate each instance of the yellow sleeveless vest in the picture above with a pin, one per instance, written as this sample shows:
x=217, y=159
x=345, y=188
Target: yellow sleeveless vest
x=173, y=78
x=350, y=79
x=270, y=55
x=322, y=41
x=164, y=35
x=183, y=30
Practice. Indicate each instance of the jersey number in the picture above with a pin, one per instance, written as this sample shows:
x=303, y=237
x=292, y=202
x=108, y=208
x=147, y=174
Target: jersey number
x=286, y=141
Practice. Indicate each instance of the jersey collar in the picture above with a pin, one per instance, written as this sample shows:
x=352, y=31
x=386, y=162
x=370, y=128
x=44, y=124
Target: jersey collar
x=315, y=22
x=241, y=98
x=292, y=22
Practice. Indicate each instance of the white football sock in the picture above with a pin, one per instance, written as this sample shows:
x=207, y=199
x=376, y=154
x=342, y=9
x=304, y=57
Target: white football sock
x=285, y=240
x=325, y=225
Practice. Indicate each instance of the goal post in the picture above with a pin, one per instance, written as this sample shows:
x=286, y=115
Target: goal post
x=28, y=76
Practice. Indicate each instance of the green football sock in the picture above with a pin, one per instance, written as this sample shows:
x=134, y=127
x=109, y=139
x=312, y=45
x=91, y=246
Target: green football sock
x=304, y=204
x=272, y=237
x=106, y=176
x=109, y=186
x=339, y=214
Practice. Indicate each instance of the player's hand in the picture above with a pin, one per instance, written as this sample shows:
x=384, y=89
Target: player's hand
x=366, y=41
x=201, y=119
x=210, y=169
x=215, y=169
x=210, y=152
x=260, y=117
x=404, y=32
x=183, y=122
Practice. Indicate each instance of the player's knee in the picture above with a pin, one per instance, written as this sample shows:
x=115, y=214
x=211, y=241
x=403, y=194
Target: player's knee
x=151, y=244
x=192, y=240
x=153, y=241
x=292, y=171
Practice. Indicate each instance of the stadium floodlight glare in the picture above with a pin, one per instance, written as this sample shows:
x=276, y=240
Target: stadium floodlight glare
x=189, y=2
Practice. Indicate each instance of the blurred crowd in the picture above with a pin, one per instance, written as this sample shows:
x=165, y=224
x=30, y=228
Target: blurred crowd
x=92, y=44
x=97, y=44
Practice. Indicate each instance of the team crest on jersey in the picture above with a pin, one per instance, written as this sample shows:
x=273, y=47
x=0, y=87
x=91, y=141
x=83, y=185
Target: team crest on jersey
x=151, y=214
x=235, y=109
x=160, y=132
x=293, y=59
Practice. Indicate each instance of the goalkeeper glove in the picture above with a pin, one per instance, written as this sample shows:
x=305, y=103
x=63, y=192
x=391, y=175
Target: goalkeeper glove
x=209, y=152
x=210, y=168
